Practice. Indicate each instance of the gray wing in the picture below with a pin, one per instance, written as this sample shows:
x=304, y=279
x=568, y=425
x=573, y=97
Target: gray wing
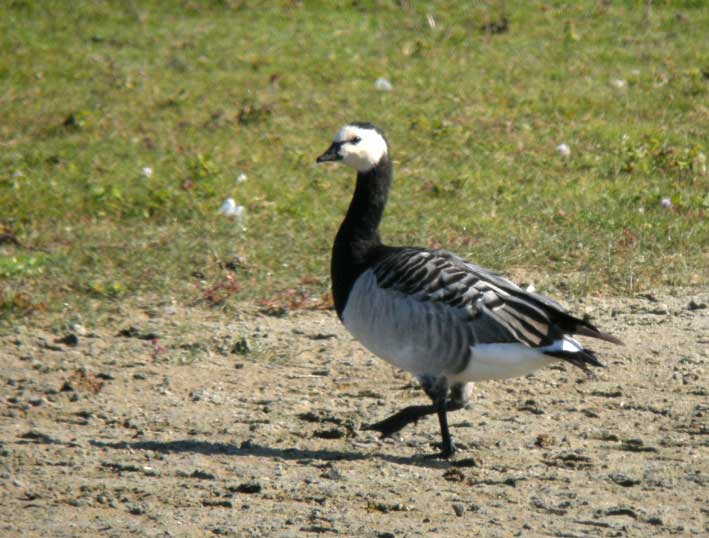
x=494, y=309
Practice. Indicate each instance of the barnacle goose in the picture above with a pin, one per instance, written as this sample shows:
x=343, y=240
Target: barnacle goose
x=429, y=312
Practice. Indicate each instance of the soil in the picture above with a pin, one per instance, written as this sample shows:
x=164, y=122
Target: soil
x=164, y=420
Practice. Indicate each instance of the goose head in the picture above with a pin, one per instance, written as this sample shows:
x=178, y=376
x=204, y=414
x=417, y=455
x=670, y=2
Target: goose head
x=359, y=145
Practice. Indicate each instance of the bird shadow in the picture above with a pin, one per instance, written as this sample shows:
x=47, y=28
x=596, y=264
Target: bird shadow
x=249, y=448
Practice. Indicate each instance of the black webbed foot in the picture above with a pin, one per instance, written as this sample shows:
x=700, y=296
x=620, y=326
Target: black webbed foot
x=444, y=454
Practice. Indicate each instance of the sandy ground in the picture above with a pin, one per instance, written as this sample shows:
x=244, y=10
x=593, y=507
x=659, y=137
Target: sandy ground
x=174, y=421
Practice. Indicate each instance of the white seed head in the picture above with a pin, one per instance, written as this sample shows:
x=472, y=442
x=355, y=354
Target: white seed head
x=563, y=149
x=229, y=208
x=383, y=85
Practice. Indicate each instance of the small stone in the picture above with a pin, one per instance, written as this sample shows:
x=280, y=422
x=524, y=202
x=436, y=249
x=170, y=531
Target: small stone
x=136, y=509
x=454, y=475
x=79, y=329
x=242, y=347
x=623, y=480
x=202, y=475
x=333, y=433
x=693, y=305
x=247, y=487
x=544, y=440
x=70, y=340
x=459, y=509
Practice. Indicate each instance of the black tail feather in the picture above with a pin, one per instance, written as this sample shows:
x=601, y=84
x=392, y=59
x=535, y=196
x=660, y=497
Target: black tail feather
x=585, y=328
x=580, y=359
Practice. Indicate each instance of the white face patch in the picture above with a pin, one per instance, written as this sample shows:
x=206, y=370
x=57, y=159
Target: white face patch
x=361, y=148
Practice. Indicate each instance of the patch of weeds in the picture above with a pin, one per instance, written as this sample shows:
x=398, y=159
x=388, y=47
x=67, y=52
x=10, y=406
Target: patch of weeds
x=22, y=265
x=203, y=173
x=105, y=198
x=652, y=154
x=17, y=304
x=81, y=119
x=203, y=167
x=252, y=113
x=217, y=294
x=194, y=351
x=105, y=289
x=289, y=300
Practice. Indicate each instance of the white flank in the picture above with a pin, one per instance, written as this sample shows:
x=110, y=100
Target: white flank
x=502, y=361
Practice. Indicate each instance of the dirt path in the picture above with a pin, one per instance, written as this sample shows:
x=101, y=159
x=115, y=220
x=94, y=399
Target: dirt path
x=167, y=421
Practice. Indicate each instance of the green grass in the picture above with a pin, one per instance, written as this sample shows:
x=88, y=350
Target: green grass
x=201, y=91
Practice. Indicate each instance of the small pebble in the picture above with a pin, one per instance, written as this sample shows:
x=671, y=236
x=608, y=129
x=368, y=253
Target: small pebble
x=248, y=487
x=70, y=340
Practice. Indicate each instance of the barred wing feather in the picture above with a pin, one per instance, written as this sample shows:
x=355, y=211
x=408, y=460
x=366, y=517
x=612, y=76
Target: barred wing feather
x=495, y=309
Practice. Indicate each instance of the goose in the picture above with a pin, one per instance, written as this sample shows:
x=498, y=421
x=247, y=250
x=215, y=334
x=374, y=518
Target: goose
x=429, y=312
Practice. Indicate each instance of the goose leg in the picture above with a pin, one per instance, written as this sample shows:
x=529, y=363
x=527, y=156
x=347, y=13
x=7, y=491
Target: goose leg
x=437, y=390
x=458, y=399
x=447, y=446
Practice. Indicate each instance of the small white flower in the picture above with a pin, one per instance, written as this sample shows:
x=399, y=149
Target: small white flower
x=666, y=203
x=563, y=149
x=383, y=85
x=618, y=83
x=147, y=171
x=241, y=178
x=230, y=209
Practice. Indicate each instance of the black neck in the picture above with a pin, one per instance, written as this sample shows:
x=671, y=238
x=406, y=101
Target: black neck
x=357, y=240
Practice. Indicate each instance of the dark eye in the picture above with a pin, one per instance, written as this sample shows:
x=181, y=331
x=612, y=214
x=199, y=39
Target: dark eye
x=355, y=140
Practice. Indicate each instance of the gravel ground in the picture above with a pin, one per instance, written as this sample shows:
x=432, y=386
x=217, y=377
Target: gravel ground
x=173, y=421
